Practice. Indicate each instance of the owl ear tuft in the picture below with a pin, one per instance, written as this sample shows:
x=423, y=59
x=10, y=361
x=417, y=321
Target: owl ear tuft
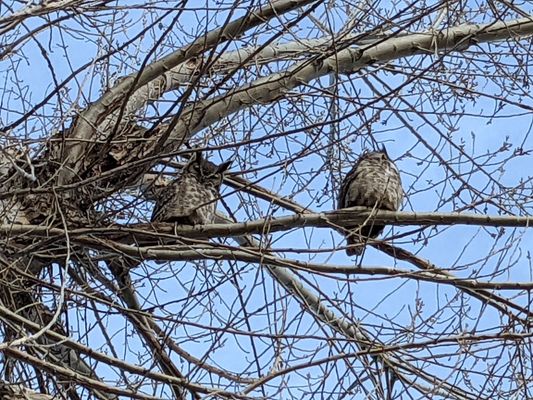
x=195, y=158
x=224, y=166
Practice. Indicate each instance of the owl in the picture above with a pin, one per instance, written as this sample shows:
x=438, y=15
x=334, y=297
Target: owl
x=373, y=182
x=191, y=199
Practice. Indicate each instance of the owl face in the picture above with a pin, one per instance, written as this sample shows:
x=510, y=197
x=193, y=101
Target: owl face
x=373, y=159
x=205, y=171
x=375, y=156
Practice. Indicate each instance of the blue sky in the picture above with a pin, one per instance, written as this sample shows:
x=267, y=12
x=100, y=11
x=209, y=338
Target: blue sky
x=393, y=309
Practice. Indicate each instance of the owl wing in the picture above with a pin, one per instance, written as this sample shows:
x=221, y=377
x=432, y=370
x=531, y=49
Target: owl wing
x=161, y=206
x=394, y=194
x=178, y=204
x=349, y=179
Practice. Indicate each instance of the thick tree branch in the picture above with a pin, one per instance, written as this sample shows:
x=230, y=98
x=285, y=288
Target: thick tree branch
x=348, y=328
x=275, y=86
x=331, y=219
x=144, y=323
x=91, y=118
x=72, y=375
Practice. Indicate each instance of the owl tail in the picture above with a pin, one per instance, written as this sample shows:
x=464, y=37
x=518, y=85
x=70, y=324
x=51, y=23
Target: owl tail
x=357, y=239
x=356, y=244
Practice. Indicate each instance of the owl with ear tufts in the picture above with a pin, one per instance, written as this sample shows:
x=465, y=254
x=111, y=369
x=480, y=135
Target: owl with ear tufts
x=191, y=198
x=374, y=182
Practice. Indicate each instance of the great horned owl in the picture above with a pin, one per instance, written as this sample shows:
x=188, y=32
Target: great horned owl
x=191, y=199
x=373, y=182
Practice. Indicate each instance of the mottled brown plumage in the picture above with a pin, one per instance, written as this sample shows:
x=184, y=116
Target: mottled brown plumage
x=191, y=199
x=373, y=182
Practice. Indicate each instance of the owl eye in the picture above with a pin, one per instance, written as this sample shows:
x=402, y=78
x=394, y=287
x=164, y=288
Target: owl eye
x=216, y=177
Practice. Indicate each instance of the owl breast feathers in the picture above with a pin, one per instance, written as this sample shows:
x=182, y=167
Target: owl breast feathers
x=373, y=182
x=191, y=198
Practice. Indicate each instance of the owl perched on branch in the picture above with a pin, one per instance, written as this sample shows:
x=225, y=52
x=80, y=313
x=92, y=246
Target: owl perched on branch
x=191, y=199
x=373, y=182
